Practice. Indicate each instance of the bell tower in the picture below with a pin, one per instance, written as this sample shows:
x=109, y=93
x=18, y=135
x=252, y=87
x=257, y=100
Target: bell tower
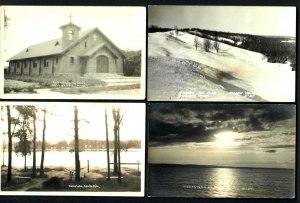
x=70, y=33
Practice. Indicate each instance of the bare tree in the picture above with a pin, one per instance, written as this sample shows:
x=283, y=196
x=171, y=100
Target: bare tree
x=176, y=30
x=207, y=45
x=118, y=120
x=107, y=147
x=34, y=142
x=43, y=144
x=76, y=140
x=196, y=42
x=9, y=133
x=216, y=44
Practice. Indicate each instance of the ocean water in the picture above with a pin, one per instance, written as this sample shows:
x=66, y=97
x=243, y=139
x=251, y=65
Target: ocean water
x=217, y=182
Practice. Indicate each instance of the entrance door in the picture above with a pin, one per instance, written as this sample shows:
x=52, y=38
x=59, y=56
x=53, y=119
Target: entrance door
x=102, y=64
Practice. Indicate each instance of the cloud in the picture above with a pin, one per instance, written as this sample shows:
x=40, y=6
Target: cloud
x=199, y=122
x=271, y=151
x=281, y=146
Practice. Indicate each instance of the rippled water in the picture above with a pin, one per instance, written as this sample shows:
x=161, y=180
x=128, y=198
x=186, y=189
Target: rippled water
x=198, y=181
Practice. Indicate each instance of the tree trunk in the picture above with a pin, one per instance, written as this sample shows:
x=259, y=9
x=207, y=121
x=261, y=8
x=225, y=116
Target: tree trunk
x=43, y=145
x=107, y=148
x=77, y=161
x=25, y=168
x=115, y=151
x=34, y=145
x=9, y=144
x=119, y=156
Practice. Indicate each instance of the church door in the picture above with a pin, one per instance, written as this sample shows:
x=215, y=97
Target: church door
x=102, y=64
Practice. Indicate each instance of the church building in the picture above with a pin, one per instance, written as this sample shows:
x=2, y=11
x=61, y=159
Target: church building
x=76, y=52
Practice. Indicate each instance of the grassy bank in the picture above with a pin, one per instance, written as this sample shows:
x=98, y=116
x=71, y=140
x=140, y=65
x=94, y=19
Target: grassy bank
x=59, y=179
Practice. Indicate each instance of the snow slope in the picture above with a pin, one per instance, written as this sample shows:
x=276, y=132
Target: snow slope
x=271, y=81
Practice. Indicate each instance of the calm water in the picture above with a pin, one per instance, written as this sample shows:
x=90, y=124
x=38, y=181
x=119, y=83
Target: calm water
x=65, y=158
x=197, y=181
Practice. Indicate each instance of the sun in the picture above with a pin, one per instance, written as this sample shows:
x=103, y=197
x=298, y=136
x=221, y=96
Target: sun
x=226, y=138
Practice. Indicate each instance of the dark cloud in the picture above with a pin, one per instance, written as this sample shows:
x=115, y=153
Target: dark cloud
x=281, y=146
x=271, y=151
x=199, y=122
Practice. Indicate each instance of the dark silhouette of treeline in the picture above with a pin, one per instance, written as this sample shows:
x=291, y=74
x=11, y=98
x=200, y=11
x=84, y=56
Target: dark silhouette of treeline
x=272, y=47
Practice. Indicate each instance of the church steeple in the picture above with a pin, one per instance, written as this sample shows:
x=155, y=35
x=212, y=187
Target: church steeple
x=70, y=33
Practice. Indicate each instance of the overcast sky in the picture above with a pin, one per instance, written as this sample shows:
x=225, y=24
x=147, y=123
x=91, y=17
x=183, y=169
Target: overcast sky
x=29, y=25
x=60, y=125
x=227, y=135
x=238, y=19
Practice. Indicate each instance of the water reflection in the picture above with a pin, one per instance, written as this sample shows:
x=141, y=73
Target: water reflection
x=224, y=182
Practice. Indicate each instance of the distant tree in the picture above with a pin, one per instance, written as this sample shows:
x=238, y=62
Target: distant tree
x=176, y=30
x=216, y=44
x=196, y=42
x=207, y=45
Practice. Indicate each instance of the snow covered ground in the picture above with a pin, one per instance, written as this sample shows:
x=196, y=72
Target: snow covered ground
x=270, y=81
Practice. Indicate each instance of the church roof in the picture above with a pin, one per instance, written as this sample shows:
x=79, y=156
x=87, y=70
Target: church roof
x=52, y=47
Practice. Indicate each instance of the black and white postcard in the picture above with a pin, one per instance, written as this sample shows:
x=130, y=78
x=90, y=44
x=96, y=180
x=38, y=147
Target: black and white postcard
x=221, y=150
x=85, y=52
x=221, y=53
x=86, y=149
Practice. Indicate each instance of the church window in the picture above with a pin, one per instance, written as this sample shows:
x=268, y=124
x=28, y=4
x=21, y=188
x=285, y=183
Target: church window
x=25, y=64
x=95, y=37
x=72, y=59
x=71, y=33
x=35, y=64
x=45, y=63
x=85, y=44
x=18, y=64
x=56, y=60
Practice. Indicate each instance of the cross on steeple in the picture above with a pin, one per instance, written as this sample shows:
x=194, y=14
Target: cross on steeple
x=70, y=16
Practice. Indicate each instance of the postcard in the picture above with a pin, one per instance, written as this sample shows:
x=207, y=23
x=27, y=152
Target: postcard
x=221, y=53
x=86, y=149
x=73, y=52
x=221, y=150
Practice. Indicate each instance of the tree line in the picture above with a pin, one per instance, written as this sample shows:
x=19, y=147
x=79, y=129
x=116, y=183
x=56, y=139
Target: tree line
x=132, y=63
x=272, y=47
x=23, y=127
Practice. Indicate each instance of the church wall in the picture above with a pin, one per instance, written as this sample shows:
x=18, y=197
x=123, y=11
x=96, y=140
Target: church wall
x=86, y=44
x=115, y=64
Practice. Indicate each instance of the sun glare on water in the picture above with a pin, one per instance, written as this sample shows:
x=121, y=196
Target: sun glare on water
x=225, y=139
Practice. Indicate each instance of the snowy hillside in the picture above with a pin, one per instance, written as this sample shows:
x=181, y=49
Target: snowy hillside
x=252, y=72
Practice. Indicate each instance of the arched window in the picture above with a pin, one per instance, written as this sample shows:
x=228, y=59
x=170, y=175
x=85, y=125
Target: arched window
x=71, y=33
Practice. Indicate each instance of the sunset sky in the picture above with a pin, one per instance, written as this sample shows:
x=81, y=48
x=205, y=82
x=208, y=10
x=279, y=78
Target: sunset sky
x=60, y=125
x=223, y=135
x=258, y=20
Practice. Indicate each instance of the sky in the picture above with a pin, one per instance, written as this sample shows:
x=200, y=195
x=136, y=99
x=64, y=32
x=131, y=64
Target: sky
x=257, y=20
x=29, y=25
x=60, y=125
x=223, y=135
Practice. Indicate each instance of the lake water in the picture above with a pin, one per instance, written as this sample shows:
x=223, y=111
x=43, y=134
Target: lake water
x=197, y=181
x=67, y=159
